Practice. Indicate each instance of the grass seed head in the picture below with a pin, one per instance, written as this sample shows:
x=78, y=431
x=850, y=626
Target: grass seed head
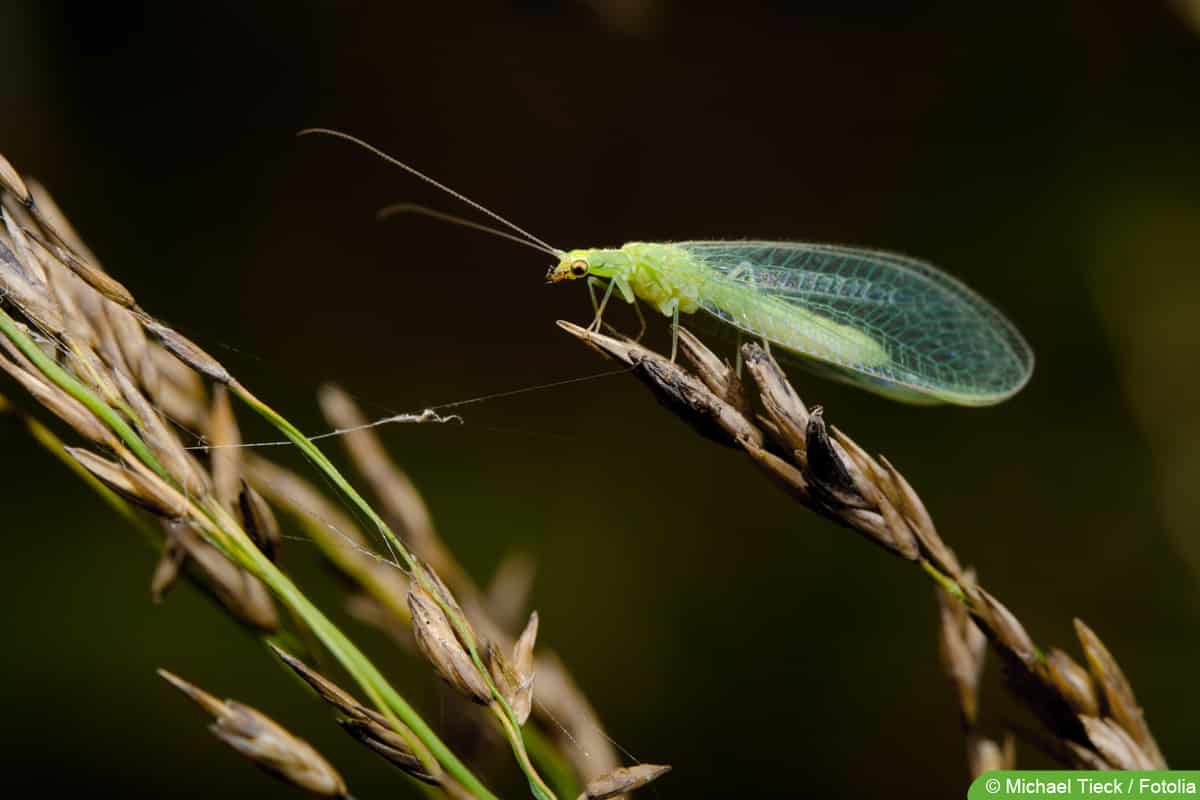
x=521, y=700
x=675, y=388
x=1116, y=746
x=901, y=492
x=1005, y=626
x=721, y=379
x=168, y=568
x=1073, y=682
x=131, y=339
x=11, y=181
x=963, y=647
x=225, y=457
x=146, y=490
x=103, y=283
x=162, y=440
x=389, y=745
x=329, y=691
x=243, y=596
x=51, y=219
x=26, y=292
x=259, y=522
x=369, y=727
x=186, y=350
x=1119, y=699
x=780, y=400
x=825, y=467
x=987, y=755
x=438, y=642
x=65, y=407
x=262, y=740
x=623, y=779
x=514, y=686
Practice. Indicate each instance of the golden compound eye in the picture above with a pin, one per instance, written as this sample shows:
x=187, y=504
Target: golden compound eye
x=579, y=268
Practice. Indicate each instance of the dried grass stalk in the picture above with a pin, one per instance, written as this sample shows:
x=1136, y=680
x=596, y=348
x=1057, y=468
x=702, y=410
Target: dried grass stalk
x=78, y=341
x=833, y=476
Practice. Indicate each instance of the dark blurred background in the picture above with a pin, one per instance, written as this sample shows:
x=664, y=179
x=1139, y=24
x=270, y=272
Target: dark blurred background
x=1045, y=153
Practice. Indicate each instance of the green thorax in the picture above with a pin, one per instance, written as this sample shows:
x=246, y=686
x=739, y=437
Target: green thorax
x=657, y=273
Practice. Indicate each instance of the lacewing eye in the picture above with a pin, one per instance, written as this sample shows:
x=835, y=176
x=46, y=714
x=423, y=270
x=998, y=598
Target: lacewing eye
x=579, y=268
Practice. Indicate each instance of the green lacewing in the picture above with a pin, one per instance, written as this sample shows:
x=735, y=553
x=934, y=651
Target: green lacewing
x=887, y=323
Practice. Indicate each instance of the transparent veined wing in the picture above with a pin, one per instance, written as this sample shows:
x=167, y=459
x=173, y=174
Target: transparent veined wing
x=892, y=324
